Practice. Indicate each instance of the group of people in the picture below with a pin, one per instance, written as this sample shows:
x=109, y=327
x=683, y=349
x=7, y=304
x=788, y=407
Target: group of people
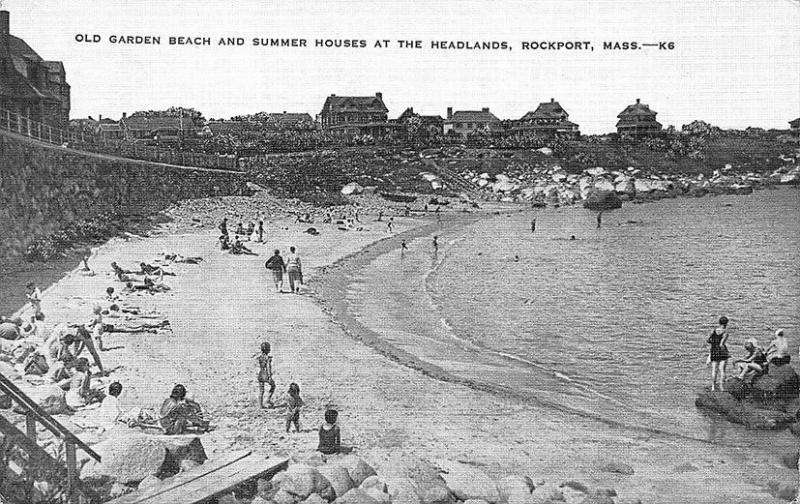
x=329, y=434
x=292, y=266
x=756, y=363
x=236, y=245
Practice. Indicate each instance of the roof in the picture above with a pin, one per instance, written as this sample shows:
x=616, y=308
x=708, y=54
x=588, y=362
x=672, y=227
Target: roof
x=158, y=122
x=637, y=109
x=546, y=110
x=15, y=85
x=558, y=125
x=289, y=118
x=233, y=127
x=473, y=116
x=354, y=104
x=110, y=126
x=796, y=122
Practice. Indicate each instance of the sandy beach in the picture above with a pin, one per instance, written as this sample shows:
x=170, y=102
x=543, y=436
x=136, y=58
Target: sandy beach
x=221, y=310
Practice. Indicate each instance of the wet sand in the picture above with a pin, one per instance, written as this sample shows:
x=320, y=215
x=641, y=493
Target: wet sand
x=221, y=310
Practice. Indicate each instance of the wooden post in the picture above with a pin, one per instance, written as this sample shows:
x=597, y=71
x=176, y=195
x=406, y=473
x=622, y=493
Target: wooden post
x=50, y=134
x=19, y=124
x=30, y=426
x=72, y=474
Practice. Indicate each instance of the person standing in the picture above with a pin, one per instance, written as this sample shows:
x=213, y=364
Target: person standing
x=276, y=265
x=599, y=219
x=265, y=375
x=718, y=354
x=435, y=244
x=34, y=295
x=223, y=226
x=294, y=268
x=533, y=225
x=260, y=229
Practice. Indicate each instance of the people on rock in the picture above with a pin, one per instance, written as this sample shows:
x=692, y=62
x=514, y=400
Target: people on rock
x=754, y=364
x=718, y=353
x=778, y=350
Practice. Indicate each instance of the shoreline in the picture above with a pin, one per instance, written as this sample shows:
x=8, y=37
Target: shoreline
x=385, y=406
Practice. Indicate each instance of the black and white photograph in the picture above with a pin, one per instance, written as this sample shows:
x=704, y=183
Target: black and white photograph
x=399, y=252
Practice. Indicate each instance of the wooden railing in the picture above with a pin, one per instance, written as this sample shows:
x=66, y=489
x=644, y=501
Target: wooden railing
x=91, y=142
x=35, y=464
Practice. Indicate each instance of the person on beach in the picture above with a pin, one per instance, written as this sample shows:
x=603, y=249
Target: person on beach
x=121, y=274
x=294, y=269
x=239, y=248
x=718, y=354
x=149, y=269
x=265, y=375
x=79, y=385
x=83, y=339
x=260, y=229
x=293, y=405
x=380, y=216
x=239, y=229
x=390, y=224
x=224, y=242
x=778, y=350
x=223, y=226
x=179, y=413
x=754, y=363
x=276, y=265
x=533, y=225
x=110, y=296
x=330, y=438
x=251, y=228
x=110, y=410
x=403, y=247
x=34, y=295
x=435, y=244
x=599, y=219
x=96, y=324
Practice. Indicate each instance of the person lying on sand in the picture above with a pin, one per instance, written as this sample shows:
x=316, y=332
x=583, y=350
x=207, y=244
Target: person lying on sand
x=149, y=269
x=182, y=259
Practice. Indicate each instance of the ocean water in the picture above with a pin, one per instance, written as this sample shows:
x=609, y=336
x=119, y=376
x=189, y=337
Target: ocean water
x=610, y=326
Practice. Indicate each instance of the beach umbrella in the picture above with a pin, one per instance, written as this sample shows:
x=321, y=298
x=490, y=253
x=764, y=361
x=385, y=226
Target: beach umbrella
x=601, y=200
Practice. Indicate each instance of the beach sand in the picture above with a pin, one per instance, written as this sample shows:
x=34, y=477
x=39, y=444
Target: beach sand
x=221, y=310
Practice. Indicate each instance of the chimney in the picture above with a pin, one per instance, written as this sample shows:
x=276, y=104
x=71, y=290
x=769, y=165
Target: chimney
x=485, y=109
x=5, y=51
x=552, y=100
x=99, y=118
x=638, y=101
x=284, y=111
x=379, y=96
x=124, y=115
x=449, y=112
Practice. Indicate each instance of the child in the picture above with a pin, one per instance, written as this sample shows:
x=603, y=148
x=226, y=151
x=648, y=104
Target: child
x=293, y=405
x=110, y=411
x=97, y=326
x=330, y=441
x=78, y=394
x=265, y=375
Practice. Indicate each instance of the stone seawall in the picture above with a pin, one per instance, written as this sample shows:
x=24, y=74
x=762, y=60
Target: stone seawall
x=45, y=187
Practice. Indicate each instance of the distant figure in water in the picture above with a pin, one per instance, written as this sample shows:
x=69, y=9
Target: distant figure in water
x=435, y=244
x=403, y=247
x=533, y=225
x=390, y=224
x=516, y=258
x=572, y=238
x=718, y=355
x=599, y=219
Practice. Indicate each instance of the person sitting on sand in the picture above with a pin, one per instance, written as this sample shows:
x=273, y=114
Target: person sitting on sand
x=239, y=248
x=240, y=229
x=276, y=265
x=718, y=354
x=110, y=411
x=149, y=269
x=778, y=350
x=80, y=392
x=754, y=364
x=178, y=413
x=121, y=274
x=265, y=375
x=224, y=242
x=251, y=227
x=330, y=439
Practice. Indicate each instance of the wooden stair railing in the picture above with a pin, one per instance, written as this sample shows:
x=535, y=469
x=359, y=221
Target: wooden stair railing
x=38, y=462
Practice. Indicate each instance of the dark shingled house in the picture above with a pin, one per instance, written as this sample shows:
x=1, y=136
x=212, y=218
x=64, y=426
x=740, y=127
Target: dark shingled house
x=637, y=120
x=549, y=119
x=464, y=122
x=30, y=86
x=357, y=115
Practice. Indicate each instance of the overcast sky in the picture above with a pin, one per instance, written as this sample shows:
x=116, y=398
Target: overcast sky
x=736, y=62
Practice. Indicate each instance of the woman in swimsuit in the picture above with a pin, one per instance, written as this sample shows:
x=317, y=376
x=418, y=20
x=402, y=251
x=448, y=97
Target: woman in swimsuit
x=719, y=354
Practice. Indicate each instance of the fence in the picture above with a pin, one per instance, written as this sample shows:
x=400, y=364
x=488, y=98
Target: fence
x=21, y=125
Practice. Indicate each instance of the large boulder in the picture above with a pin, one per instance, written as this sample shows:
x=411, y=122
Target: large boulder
x=338, y=477
x=182, y=451
x=302, y=480
x=617, y=467
x=512, y=487
x=780, y=382
x=411, y=480
x=604, y=185
x=601, y=200
x=744, y=412
x=626, y=186
x=50, y=397
x=352, y=188
x=356, y=467
x=128, y=459
x=468, y=482
x=356, y=496
x=546, y=493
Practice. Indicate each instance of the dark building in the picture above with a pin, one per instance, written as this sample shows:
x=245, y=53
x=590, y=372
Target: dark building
x=795, y=125
x=30, y=86
x=464, y=122
x=356, y=115
x=637, y=120
x=549, y=119
x=158, y=128
x=289, y=121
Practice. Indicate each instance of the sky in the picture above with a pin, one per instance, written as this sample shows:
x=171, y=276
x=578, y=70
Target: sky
x=736, y=63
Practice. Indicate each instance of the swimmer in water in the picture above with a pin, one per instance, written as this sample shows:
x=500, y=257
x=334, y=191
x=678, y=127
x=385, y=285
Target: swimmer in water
x=571, y=237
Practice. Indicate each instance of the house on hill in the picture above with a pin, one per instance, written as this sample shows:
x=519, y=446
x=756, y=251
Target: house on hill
x=232, y=128
x=794, y=126
x=549, y=119
x=29, y=85
x=638, y=120
x=433, y=124
x=356, y=115
x=465, y=122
